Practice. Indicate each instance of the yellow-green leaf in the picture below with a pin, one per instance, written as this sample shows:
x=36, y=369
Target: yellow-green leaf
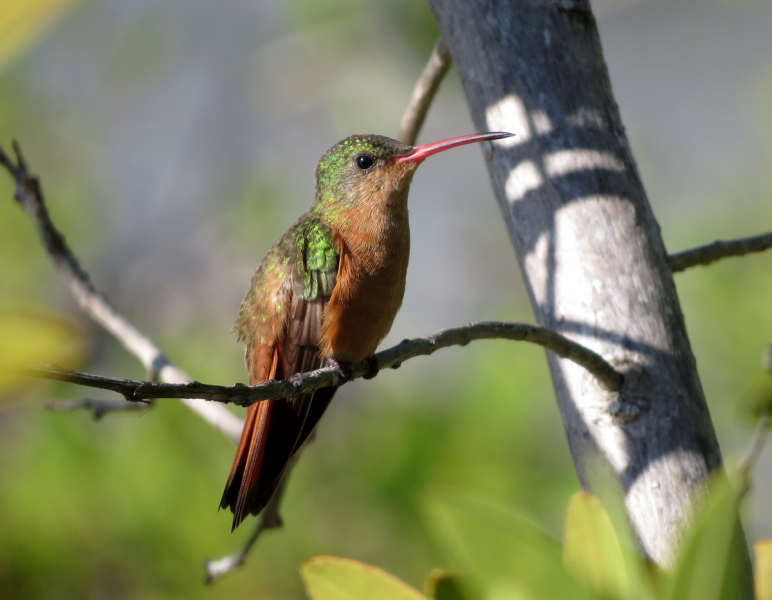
x=712, y=564
x=30, y=340
x=508, y=555
x=591, y=549
x=442, y=584
x=334, y=578
x=643, y=578
x=763, y=551
x=21, y=21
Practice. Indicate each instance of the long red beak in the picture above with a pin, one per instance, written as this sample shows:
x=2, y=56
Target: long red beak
x=419, y=153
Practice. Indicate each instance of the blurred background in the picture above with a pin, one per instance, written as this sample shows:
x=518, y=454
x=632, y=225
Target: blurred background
x=176, y=142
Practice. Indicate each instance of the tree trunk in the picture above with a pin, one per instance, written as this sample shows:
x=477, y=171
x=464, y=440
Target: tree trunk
x=590, y=251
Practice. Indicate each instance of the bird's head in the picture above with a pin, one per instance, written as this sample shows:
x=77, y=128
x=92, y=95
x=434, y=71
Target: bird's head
x=375, y=168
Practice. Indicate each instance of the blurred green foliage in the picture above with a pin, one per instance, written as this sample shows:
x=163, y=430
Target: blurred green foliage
x=29, y=340
x=507, y=557
x=712, y=559
x=22, y=22
x=332, y=578
x=763, y=572
x=443, y=584
x=413, y=21
x=592, y=551
x=510, y=556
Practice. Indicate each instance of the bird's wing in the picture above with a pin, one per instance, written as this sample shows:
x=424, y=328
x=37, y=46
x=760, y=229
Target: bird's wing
x=280, y=322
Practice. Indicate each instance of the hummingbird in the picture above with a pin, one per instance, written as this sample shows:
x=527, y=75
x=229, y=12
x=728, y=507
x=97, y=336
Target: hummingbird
x=326, y=293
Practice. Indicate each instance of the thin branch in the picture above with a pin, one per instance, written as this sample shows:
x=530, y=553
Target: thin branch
x=269, y=519
x=425, y=89
x=30, y=195
x=99, y=408
x=304, y=383
x=710, y=253
x=757, y=445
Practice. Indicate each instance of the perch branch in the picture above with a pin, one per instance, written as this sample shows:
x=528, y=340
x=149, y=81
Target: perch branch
x=423, y=93
x=30, y=195
x=392, y=358
x=710, y=253
x=99, y=408
x=754, y=451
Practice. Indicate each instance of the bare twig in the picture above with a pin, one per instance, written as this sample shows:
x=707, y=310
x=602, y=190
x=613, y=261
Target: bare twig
x=99, y=408
x=425, y=89
x=269, y=519
x=304, y=383
x=757, y=445
x=710, y=253
x=30, y=195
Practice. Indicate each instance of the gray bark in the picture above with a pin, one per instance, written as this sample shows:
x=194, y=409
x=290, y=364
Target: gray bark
x=590, y=251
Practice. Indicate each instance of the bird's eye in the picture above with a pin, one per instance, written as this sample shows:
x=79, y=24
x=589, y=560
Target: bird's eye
x=364, y=161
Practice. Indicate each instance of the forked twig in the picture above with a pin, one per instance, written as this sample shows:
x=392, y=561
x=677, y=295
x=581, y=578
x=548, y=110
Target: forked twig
x=30, y=195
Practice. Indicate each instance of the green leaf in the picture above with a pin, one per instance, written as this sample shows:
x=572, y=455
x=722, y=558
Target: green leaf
x=712, y=566
x=32, y=340
x=591, y=549
x=334, y=578
x=21, y=21
x=509, y=556
x=763, y=551
x=644, y=579
x=442, y=584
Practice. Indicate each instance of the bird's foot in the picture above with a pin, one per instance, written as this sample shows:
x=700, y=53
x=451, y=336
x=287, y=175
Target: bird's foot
x=372, y=367
x=343, y=369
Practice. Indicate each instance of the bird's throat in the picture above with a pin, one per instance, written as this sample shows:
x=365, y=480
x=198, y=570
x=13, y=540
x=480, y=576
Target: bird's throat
x=375, y=236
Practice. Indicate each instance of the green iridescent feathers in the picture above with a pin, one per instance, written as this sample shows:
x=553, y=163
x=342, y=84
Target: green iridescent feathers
x=339, y=159
x=317, y=255
x=337, y=175
x=303, y=262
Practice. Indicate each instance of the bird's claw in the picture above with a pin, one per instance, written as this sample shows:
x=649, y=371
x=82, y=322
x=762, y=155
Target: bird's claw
x=372, y=367
x=343, y=369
